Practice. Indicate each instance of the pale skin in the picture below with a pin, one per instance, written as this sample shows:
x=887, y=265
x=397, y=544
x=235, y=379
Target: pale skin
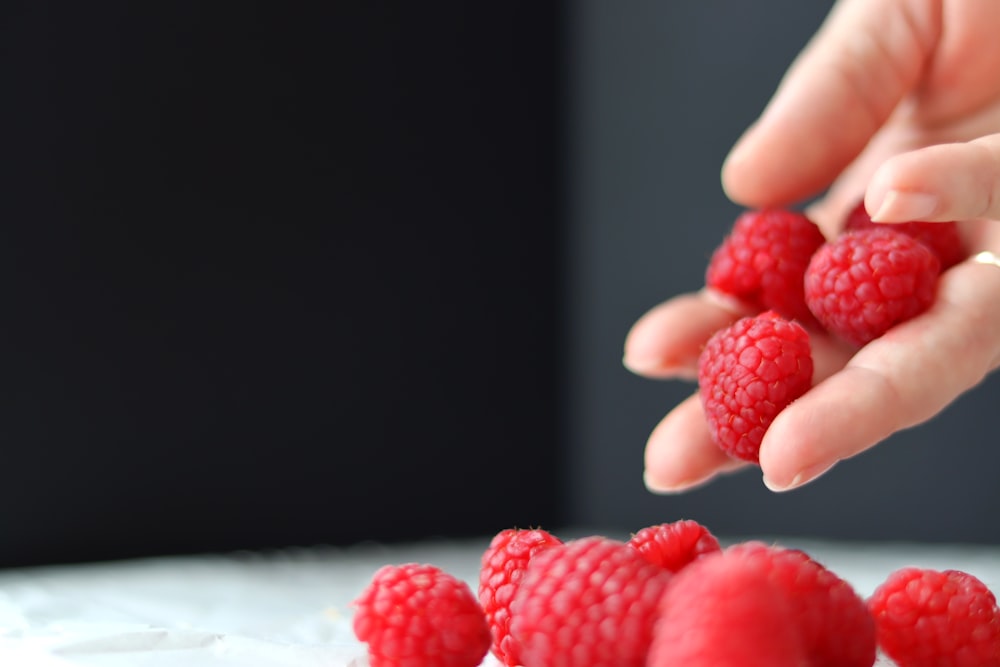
x=896, y=101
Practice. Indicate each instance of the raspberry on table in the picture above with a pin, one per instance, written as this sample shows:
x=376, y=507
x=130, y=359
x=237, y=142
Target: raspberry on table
x=747, y=374
x=834, y=622
x=590, y=602
x=931, y=618
x=865, y=282
x=674, y=545
x=763, y=259
x=943, y=238
x=766, y=604
x=720, y=612
x=502, y=567
x=417, y=615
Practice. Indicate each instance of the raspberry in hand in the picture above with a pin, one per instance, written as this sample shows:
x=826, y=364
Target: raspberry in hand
x=763, y=259
x=942, y=238
x=747, y=374
x=867, y=281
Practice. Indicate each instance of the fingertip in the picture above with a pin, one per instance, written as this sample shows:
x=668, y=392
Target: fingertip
x=647, y=351
x=790, y=455
x=900, y=206
x=680, y=453
x=668, y=488
x=738, y=176
x=902, y=190
x=879, y=185
x=656, y=368
x=666, y=341
x=940, y=183
x=799, y=479
x=754, y=175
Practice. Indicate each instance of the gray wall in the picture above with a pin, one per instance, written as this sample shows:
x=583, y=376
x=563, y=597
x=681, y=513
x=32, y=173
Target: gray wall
x=659, y=91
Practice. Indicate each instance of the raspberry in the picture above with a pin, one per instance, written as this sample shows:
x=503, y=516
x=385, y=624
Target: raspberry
x=503, y=566
x=673, y=545
x=588, y=603
x=719, y=612
x=833, y=619
x=747, y=374
x=930, y=618
x=420, y=616
x=865, y=282
x=768, y=604
x=942, y=238
x=763, y=259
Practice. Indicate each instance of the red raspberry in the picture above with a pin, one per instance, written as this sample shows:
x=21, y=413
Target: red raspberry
x=673, y=545
x=719, y=612
x=503, y=566
x=769, y=604
x=588, y=603
x=942, y=238
x=865, y=282
x=747, y=374
x=763, y=259
x=927, y=618
x=834, y=621
x=420, y=616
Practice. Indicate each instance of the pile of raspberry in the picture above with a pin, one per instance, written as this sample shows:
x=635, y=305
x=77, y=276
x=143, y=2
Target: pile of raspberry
x=855, y=287
x=671, y=595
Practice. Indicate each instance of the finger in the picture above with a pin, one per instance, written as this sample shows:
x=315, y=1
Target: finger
x=666, y=341
x=897, y=381
x=867, y=56
x=681, y=454
x=947, y=182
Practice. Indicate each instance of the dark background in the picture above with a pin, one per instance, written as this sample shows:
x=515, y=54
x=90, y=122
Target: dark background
x=276, y=274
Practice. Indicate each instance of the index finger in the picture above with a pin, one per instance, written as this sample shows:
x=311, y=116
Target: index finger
x=838, y=93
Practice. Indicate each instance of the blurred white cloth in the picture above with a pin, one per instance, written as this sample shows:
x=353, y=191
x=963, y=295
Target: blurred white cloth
x=290, y=608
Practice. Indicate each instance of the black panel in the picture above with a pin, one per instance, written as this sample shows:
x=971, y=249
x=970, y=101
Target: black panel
x=273, y=275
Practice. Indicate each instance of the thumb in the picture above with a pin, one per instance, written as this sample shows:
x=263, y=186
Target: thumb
x=867, y=56
x=945, y=182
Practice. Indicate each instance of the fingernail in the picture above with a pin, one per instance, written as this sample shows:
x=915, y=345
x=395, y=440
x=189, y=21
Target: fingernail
x=642, y=365
x=660, y=368
x=656, y=486
x=898, y=206
x=805, y=475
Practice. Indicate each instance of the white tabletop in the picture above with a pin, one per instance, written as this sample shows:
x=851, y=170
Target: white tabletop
x=290, y=607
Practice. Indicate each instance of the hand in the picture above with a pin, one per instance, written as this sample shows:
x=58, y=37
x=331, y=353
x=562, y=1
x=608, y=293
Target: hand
x=898, y=101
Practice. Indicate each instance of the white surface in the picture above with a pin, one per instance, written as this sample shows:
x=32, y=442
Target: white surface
x=288, y=608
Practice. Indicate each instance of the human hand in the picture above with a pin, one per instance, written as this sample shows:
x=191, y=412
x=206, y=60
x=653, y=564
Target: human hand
x=899, y=101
